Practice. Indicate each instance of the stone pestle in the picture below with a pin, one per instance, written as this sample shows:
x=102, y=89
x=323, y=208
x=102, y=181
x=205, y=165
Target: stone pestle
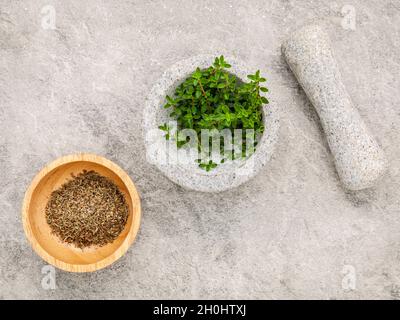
x=359, y=159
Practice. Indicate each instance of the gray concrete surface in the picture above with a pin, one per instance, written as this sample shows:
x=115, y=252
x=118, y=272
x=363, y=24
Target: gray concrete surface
x=291, y=232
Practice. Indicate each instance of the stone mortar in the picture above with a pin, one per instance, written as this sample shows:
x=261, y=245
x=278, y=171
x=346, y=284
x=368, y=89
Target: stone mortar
x=358, y=158
x=185, y=171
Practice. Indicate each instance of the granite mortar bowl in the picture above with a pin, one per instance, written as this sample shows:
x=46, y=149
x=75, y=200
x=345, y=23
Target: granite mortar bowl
x=47, y=245
x=182, y=167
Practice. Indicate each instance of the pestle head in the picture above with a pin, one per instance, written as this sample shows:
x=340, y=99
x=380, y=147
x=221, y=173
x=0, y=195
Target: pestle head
x=358, y=158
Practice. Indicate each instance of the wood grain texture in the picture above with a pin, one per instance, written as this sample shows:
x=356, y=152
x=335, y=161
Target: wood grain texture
x=50, y=247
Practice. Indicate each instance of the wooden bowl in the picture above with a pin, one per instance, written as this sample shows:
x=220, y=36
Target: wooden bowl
x=47, y=245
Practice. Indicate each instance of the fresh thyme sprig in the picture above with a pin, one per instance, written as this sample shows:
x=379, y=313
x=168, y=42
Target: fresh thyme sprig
x=212, y=98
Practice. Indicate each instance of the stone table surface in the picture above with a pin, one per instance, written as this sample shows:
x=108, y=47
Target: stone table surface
x=291, y=232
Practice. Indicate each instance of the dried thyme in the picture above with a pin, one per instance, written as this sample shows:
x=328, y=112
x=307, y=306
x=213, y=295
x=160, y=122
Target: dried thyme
x=88, y=210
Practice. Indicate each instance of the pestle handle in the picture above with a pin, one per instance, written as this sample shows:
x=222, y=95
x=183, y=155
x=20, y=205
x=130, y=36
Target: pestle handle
x=358, y=158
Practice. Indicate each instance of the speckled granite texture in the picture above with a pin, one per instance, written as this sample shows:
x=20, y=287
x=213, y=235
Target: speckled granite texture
x=359, y=160
x=180, y=164
x=290, y=232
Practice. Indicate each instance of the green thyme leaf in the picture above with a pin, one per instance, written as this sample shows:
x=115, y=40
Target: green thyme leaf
x=212, y=98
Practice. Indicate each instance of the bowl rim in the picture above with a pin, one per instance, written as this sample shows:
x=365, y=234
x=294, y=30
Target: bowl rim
x=131, y=235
